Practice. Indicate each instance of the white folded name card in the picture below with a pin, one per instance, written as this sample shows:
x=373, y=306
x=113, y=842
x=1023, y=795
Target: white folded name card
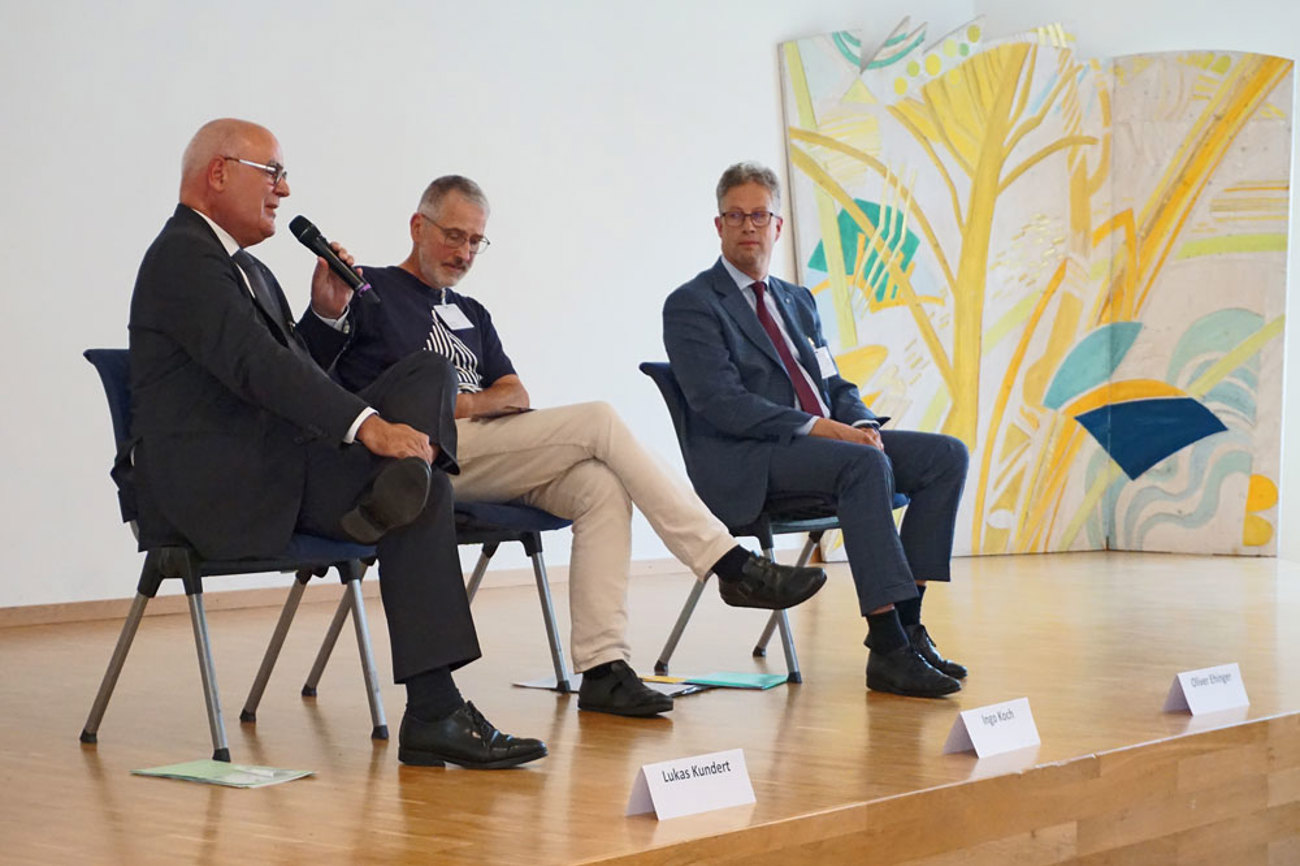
x=994, y=729
x=1207, y=690
x=686, y=786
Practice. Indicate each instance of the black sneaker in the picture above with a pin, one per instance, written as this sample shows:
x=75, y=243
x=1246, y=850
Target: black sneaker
x=621, y=692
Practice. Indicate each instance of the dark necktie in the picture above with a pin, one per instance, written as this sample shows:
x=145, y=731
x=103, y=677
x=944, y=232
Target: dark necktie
x=261, y=291
x=807, y=399
x=266, y=299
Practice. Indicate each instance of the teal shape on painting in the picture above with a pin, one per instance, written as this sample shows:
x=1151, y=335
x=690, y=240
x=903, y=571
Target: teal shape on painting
x=895, y=237
x=1214, y=334
x=1091, y=362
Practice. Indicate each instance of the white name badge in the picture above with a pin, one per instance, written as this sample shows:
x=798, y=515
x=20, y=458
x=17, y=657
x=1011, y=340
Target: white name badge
x=1207, y=690
x=687, y=786
x=825, y=363
x=453, y=317
x=994, y=729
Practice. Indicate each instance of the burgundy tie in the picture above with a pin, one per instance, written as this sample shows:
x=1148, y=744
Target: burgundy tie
x=807, y=399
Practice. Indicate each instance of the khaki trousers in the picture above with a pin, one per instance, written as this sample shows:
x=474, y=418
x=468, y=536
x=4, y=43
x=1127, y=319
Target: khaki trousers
x=582, y=463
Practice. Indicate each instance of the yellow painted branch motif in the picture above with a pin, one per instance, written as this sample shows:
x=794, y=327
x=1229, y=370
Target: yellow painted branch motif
x=1003, y=398
x=934, y=158
x=1239, y=354
x=913, y=210
x=1108, y=476
x=824, y=181
x=972, y=271
x=1031, y=161
x=827, y=224
x=1123, y=305
x=1196, y=161
x=1033, y=123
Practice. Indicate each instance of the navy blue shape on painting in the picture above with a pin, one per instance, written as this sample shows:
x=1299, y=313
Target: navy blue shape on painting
x=1138, y=434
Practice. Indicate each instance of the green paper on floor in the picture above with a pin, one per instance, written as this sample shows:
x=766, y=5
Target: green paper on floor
x=222, y=773
x=737, y=680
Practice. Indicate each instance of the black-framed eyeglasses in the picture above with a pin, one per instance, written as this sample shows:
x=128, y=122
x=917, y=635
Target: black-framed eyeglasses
x=274, y=170
x=455, y=238
x=760, y=218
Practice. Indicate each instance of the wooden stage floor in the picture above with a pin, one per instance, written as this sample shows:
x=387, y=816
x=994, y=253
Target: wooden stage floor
x=840, y=774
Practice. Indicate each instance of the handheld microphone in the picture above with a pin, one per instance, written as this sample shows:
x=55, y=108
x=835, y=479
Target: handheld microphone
x=312, y=239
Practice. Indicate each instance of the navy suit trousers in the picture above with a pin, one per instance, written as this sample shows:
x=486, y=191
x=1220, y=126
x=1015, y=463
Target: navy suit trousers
x=886, y=562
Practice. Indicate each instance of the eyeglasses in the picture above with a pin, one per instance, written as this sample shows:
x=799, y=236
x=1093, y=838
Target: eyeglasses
x=759, y=218
x=454, y=238
x=274, y=171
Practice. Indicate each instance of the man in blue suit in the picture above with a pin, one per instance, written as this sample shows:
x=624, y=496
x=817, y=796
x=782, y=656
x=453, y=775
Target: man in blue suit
x=772, y=416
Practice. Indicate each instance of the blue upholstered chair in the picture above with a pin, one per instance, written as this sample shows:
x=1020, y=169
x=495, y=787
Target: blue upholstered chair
x=485, y=523
x=781, y=515
x=306, y=556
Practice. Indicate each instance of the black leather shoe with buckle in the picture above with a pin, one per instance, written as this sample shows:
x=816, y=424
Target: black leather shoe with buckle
x=394, y=499
x=621, y=692
x=766, y=584
x=921, y=642
x=465, y=739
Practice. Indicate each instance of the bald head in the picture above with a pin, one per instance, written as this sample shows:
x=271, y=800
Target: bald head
x=217, y=181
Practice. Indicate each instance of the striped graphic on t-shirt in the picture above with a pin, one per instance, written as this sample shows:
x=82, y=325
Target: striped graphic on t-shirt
x=443, y=341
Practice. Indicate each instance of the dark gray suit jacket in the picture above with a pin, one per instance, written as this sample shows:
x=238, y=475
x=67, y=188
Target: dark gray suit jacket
x=738, y=389
x=223, y=404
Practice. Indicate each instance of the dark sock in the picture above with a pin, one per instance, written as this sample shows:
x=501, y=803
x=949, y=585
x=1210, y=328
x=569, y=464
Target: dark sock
x=909, y=612
x=884, y=632
x=598, y=672
x=433, y=695
x=728, y=568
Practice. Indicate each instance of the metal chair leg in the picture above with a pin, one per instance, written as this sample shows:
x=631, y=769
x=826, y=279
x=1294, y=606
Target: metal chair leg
x=327, y=646
x=249, y=713
x=562, y=684
x=90, y=733
x=787, y=642
x=760, y=648
x=379, y=729
x=666, y=654
x=480, y=568
x=220, y=749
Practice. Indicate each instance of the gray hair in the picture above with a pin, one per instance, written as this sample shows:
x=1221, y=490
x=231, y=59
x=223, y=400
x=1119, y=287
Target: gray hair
x=435, y=192
x=750, y=172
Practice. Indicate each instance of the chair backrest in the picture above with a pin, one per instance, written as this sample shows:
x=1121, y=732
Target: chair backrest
x=662, y=375
x=114, y=368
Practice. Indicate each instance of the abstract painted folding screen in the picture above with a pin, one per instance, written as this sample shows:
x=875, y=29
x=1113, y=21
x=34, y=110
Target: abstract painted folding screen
x=1078, y=267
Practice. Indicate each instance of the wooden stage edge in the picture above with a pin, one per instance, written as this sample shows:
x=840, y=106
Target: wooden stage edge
x=1230, y=795
x=840, y=774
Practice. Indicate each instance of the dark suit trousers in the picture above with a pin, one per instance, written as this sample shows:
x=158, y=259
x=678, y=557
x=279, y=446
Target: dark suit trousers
x=886, y=562
x=429, y=622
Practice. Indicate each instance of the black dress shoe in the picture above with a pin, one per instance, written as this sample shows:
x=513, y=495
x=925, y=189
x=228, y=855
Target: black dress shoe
x=920, y=640
x=766, y=584
x=394, y=499
x=904, y=672
x=622, y=693
x=466, y=739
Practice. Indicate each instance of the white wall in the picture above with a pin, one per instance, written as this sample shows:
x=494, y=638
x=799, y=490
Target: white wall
x=597, y=129
x=1110, y=28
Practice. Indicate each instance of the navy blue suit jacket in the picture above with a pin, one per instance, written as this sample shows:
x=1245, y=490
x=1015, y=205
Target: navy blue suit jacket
x=739, y=393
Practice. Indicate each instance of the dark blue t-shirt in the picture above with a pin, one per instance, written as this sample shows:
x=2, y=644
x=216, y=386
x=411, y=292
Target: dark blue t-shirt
x=379, y=335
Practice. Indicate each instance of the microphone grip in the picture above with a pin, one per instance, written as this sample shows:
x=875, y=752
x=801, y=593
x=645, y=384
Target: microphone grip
x=310, y=237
